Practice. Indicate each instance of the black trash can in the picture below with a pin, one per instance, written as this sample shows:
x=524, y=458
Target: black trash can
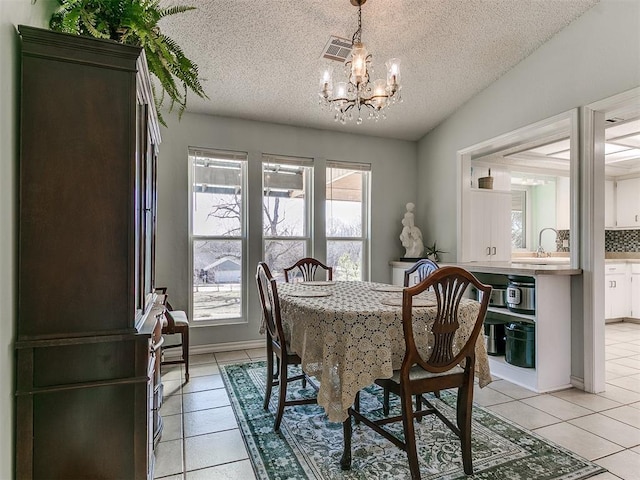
x=494, y=336
x=521, y=345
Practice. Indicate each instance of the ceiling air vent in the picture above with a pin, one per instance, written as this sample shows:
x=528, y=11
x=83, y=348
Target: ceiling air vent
x=337, y=49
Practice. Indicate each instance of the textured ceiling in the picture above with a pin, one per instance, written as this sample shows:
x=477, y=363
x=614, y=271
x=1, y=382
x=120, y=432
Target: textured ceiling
x=260, y=59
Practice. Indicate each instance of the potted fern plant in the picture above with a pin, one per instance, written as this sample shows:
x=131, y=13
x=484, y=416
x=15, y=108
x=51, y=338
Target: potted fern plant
x=135, y=22
x=433, y=253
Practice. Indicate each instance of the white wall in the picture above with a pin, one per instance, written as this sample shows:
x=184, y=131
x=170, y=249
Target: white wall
x=12, y=13
x=393, y=167
x=593, y=58
x=543, y=203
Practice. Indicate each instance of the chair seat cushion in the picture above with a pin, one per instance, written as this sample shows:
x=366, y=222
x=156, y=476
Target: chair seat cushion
x=418, y=373
x=179, y=317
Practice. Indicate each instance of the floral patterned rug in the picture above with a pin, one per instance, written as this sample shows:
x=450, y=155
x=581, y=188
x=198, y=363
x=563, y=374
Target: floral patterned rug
x=309, y=447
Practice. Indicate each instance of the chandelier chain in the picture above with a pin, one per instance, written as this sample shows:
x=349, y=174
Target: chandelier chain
x=357, y=36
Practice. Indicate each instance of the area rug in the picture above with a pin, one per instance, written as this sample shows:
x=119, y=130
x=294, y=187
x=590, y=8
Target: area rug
x=310, y=447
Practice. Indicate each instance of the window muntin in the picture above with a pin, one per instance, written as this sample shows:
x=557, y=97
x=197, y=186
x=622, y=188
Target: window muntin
x=218, y=234
x=347, y=220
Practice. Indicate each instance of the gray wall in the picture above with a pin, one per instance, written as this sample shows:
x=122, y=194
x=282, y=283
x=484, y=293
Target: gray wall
x=393, y=167
x=593, y=58
x=12, y=13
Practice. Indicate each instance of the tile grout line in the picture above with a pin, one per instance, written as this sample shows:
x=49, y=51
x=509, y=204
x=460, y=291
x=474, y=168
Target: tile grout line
x=184, y=432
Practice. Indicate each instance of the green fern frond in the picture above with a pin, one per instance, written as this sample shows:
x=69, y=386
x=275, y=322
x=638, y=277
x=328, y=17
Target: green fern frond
x=135, y=22
x=165, y=12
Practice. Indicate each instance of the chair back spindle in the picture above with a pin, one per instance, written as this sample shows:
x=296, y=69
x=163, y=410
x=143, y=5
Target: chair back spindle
x=421, y=269
x=449, y=285
x=304, y=270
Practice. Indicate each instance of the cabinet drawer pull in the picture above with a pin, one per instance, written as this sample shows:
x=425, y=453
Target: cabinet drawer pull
x=493, y=252
x=488, y=250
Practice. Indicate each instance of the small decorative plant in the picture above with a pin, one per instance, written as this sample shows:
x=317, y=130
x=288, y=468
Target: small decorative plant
x=432, y=252
x=135, y=22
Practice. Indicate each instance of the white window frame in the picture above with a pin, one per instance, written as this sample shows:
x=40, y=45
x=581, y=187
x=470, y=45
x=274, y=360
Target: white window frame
x=307, y=237
x=242, y=158
x=365, y=233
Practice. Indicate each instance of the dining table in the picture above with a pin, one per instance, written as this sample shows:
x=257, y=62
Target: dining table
x=349, y=333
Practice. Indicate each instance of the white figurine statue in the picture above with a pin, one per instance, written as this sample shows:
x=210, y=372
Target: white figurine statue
x=411, y=236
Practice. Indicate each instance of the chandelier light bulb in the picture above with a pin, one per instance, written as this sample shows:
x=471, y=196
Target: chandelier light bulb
x=358, y=92
x=326, y=82
x=393, y=72
x=379, y=93
x=359, y=64
x=341, y=91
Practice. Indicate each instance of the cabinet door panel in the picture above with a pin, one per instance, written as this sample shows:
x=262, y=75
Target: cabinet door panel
x=628, y=202
x=480, y=244
x=635, y=296
x=501, y=227
x=609, y=204
x=616, y=298
x=490, y=223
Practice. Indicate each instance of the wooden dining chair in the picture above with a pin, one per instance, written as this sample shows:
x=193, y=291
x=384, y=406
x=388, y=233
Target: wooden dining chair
x=442, y=369
x=174, y=322
x=421, y=270
x=277, y=345
x=305, y=270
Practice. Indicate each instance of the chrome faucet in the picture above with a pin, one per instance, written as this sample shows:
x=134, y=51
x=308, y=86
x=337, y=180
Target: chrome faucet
x=540, y=252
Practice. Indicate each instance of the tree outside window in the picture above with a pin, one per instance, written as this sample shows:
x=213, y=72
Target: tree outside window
x=218, y=235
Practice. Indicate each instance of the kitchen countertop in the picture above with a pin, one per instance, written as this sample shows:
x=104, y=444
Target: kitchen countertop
x=624, y=257
x=507, y=268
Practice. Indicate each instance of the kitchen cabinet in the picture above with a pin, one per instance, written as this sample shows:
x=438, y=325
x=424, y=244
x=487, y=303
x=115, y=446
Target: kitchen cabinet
x=489, y=235
x=552, y=319
x=87, y=358
x=628, y=203
x=617, y=301
x=635, y=290
x=609, y=204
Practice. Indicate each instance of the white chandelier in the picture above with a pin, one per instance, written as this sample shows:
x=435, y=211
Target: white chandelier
x=359, y=91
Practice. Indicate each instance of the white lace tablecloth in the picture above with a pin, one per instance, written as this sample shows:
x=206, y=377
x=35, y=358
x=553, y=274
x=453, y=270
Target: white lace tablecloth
x=350, y=338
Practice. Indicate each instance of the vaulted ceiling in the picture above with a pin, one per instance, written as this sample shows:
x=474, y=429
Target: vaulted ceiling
x=261, y=59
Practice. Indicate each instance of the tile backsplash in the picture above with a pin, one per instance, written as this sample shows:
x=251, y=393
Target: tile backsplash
x=562, y=235
x=622, y=240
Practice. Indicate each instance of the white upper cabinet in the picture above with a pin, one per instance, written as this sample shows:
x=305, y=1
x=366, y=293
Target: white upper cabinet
x=628, y=203
x=489, y=235
x=609, y=204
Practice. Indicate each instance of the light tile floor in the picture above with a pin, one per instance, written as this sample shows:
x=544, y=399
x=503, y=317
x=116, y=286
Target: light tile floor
x=201, y=439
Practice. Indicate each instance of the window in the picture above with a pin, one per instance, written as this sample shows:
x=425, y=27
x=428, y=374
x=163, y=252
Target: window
x=347, y=220
x=519, y=219
x=218, y=233
x=286, y=210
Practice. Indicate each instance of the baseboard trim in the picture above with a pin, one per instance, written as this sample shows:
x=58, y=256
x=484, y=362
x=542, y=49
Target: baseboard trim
x=609, y=321
x=577, y=382
x=215, y=348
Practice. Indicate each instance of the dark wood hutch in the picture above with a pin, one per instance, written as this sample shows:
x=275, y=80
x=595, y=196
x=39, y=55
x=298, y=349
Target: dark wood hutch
x=88, y=385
